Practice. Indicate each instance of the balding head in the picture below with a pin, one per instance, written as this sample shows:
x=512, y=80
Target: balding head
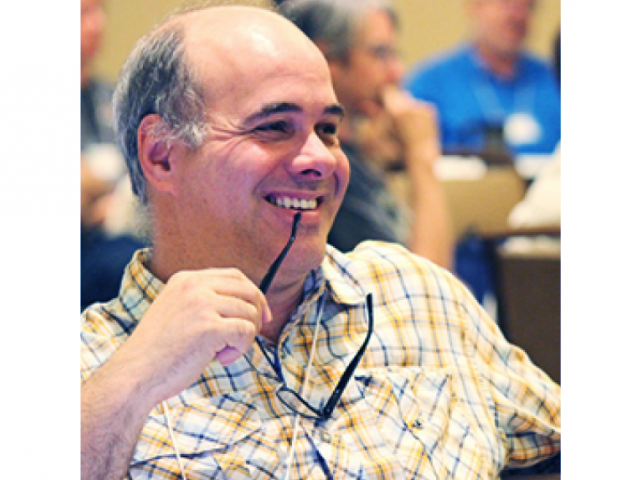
x=229, y=46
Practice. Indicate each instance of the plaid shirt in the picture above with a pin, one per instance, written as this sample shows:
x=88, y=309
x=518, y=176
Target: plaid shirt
x=438, y=394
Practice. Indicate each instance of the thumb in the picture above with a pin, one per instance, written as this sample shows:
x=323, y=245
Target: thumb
x=228, y=355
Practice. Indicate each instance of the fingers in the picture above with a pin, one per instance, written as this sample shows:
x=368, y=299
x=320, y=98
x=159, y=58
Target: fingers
x=228, y=355
x=239, y=336
x=239, y=297
x=399, y=102
x=415, y=121
x=231, y=307
x=211, y=310
x=198, y=316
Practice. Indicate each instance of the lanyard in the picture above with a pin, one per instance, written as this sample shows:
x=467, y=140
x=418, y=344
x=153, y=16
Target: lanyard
x=518, y=123
x=491, y=106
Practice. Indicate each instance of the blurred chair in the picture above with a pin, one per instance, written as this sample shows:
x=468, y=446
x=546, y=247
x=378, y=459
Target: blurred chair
x=523, y=263
x=480, y=197
x=528, y=295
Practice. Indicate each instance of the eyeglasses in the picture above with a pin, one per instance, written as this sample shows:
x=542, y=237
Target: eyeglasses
x=289, y=397
x=383, y=53
x=294, y=400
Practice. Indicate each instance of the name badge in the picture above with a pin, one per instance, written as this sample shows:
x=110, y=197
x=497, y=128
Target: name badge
x=521, y=128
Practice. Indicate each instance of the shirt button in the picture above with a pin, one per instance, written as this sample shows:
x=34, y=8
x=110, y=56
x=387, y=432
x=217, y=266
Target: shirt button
x=325, y=437
x=418, y=424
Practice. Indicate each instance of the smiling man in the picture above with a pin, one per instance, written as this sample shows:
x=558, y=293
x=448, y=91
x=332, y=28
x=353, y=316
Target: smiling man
x=376, y=364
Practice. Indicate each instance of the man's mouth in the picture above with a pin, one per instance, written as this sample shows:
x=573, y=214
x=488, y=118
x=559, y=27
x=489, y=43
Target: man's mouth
x=294, y=203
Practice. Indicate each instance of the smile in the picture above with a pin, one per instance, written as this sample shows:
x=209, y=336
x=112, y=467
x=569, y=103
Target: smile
x=293, y=203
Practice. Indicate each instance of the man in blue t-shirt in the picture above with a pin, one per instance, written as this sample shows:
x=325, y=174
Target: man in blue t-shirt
x=490, y=91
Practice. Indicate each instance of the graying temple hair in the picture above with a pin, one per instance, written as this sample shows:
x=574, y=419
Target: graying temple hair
x=333, y=22
x=157, y=79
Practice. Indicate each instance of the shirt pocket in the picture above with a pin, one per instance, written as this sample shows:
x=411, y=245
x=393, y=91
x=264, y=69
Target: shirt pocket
x=420, y=417
x=220, y=437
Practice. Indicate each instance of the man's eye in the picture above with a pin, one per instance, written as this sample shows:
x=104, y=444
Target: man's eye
x=328, y=130
x=274, y=127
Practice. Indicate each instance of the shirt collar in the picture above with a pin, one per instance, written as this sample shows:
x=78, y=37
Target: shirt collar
x=337, y=269
x=140, y=287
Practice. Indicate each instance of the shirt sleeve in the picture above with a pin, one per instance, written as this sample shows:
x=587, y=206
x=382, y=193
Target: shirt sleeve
x=526, y=400
x=98, y=342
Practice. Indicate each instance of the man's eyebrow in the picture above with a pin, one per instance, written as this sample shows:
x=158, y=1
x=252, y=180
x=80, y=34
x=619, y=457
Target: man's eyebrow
x=335, y=109
x=286, y=107
x=272, y=109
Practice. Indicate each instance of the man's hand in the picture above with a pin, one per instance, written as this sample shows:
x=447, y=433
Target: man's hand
x=198, y=316
x=415, y=124
x=404, y=135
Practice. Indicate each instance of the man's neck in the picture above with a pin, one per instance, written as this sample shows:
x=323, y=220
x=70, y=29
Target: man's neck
x=500, y=63
x=282, y=304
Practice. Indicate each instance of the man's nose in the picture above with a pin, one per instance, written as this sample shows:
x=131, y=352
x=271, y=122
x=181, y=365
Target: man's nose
x=315, y=161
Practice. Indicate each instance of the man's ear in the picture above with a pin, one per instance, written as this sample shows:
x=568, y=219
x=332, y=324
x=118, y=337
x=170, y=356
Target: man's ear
x=154, y=151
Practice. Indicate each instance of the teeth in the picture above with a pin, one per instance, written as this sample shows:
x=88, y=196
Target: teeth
x=296, y=203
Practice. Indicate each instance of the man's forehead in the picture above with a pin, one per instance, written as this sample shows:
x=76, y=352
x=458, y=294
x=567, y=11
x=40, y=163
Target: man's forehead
x=256, y=63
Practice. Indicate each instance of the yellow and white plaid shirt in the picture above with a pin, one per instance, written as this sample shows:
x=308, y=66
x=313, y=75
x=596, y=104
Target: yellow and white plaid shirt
x=438, y=394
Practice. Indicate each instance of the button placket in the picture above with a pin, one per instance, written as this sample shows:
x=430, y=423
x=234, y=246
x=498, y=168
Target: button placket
x=418, y=424
x=325, y=436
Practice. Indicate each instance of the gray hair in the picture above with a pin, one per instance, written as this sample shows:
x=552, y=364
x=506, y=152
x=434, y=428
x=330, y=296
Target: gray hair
x=333, y=22
x=158, y=79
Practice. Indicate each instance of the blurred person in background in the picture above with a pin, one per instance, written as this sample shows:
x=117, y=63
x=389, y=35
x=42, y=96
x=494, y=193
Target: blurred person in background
x=384, y=130
x=106, y=202
x=496, y=100
x=490, y=90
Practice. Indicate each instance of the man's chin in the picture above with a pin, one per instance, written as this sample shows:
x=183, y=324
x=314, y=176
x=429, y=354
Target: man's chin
x=308, y=256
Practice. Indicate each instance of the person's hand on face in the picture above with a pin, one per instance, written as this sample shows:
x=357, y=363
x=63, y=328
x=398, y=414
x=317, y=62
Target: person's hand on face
x=414, y=122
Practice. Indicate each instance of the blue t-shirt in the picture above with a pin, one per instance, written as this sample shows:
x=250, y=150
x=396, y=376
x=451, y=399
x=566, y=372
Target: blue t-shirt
x=469, y=98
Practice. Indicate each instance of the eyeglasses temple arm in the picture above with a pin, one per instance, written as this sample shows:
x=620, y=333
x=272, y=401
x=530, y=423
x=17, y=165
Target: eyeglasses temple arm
x=271, y=273
x=273, y=269
x=327, y=410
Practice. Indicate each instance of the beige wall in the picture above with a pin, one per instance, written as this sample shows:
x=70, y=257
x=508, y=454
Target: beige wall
x=428, y=26
x=127, y=21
